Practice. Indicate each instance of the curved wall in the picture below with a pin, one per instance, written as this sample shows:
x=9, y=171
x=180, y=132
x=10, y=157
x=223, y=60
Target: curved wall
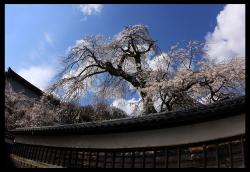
x=199, y=132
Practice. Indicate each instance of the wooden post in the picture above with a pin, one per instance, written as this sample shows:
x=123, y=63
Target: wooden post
x=89, y=159
x=218, y=155
x=243, y=151
x=123, y=159
x=154, y=159
x=144, y=158
x=113, y=160
x=179, y=156
x=133, y=159
x=166, y=157
x=105, y=159
x=97, y=159
x=205, y=155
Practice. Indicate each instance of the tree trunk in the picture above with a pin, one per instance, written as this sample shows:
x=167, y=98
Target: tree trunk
x=148, y=104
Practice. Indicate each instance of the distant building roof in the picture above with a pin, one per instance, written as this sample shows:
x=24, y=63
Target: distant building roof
x=219, y=110
x=11, y=74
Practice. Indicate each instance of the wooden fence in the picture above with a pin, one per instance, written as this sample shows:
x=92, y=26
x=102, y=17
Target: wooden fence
x=220, y=153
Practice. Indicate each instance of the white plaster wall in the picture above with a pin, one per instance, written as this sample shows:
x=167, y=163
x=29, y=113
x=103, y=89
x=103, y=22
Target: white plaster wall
x=211, y=130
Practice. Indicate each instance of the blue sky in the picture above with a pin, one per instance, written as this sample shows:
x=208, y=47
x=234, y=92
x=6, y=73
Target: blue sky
x=37, y=36
x=27, y=25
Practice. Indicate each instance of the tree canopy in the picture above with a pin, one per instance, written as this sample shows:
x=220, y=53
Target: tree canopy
x=180, y=78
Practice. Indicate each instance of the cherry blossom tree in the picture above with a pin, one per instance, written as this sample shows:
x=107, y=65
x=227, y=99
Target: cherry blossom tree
x=180, y=78
x=15, y=106
x=113, y=62
x=184, y=87
x=22, y=111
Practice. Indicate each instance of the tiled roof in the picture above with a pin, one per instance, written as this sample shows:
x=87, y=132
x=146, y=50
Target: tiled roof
x=14, y=75
x=213, y=111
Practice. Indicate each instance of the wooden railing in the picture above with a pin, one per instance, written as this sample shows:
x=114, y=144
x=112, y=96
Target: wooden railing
x=221, y=153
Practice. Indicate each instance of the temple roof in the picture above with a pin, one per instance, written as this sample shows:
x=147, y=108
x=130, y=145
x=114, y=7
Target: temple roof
x=11, y=74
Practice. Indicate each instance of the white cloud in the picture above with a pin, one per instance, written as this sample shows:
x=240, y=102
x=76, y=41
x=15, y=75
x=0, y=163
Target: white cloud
x=39, y=76
x=228, y=38
x=131, y=107
x=89, y=9
x=78, y=43
x=156, y=62
x=49, y=39
x=159, y=62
